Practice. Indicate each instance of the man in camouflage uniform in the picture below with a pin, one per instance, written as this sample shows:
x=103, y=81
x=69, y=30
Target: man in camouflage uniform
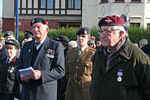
x=120, y=68
x=79, y=68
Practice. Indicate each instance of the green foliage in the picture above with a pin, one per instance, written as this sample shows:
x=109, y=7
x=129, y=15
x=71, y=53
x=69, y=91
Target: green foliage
x=21, y=35
x=95, y=32
x=136, y=34
x=69, y=32
x=1, y=34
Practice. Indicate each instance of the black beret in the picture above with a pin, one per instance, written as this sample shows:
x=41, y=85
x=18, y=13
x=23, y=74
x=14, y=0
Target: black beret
x=8, y=33
x=12, y=42
x=83, y=31
x=38, y=20
x=28, y=34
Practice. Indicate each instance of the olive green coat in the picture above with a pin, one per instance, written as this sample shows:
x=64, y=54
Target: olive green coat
x=78, y=72
x=124, y=79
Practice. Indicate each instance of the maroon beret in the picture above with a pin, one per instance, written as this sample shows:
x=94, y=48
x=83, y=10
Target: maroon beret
x=111, y=21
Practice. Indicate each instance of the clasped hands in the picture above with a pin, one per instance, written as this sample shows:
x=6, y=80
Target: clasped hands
x=36, y=75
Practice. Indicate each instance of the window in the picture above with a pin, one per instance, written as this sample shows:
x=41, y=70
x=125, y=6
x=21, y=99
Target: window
x=119, y=1
x=104, y=1
x=136, y=1
x=148, y=26
x=77, y=4
x=46, y=4
x=134, y=25
x=74, y=4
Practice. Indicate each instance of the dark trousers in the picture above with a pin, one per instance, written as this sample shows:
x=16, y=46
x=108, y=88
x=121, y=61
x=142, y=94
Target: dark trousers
x=6, y=96
x=61, y=88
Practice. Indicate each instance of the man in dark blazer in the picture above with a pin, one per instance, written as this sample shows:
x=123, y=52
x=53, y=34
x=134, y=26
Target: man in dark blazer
x=46, y=57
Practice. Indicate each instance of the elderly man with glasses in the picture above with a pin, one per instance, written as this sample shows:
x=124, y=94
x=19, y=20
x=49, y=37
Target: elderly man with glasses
x=120, y=67
x=41, y=64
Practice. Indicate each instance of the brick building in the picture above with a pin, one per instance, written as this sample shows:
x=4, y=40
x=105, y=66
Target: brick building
x=75, y=13
x=59, y=13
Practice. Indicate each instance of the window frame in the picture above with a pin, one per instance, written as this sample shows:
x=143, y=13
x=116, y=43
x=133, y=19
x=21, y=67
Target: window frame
x=104, y=1
x=119, y=1
x=73, y=5
x=136, y=1
x=46, y=4
x=134, y=25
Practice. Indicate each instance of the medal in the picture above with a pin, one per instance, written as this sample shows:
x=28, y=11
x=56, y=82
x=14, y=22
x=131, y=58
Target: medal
x=29, y=50
x=119, y=79
x=119, y=74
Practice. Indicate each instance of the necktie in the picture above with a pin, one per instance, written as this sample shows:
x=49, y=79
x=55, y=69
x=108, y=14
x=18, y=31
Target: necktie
x=36, y=45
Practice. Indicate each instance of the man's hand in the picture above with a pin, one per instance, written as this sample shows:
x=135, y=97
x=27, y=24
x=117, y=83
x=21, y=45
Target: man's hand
x=36, y=74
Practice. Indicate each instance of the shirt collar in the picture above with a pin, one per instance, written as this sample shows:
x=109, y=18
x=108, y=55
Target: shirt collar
x=40, y=43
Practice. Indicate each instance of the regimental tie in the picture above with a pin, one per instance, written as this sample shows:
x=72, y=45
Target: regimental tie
x=36, y=45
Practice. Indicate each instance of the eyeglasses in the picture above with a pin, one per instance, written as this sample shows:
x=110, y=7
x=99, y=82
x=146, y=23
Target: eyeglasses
x=111, y=28
x=34, y=27
x=109, y=31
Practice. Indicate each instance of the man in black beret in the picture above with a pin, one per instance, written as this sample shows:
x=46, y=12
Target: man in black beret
x=46, y=57
x=8, y=64
x=120, y=67
x=28, y=36
x=12, y=42
x=9, y=35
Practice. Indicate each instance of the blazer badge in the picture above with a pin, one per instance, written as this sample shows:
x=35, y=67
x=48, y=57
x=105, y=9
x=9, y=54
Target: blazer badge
x=50, y=53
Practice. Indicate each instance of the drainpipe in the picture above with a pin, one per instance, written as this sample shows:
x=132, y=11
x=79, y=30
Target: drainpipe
x=17, y=21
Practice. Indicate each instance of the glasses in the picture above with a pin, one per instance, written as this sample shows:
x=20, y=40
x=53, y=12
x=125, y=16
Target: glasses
x=34, y=27
x=111, y=28
x=108, y=30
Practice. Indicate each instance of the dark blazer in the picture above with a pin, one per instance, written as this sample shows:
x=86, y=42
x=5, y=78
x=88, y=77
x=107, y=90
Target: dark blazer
x=50, y=61
x=8, y=82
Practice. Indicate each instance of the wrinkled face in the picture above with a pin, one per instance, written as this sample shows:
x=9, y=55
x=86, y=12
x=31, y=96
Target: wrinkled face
x=110, y=35
x=11, y=51
x=39, y=31
x=82, y=40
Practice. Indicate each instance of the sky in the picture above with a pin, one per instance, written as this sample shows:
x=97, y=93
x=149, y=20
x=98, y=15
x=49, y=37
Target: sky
x=1, y=8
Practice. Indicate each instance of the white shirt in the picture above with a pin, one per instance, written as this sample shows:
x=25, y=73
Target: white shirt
x=39, y=45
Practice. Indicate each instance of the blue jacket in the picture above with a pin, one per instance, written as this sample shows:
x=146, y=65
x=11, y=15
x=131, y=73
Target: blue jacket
x=50, y=61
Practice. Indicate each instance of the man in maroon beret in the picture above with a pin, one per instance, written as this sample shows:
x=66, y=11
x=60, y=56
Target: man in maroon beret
x=120, y=67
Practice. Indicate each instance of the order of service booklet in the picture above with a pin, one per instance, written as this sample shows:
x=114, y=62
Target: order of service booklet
x=26, y=72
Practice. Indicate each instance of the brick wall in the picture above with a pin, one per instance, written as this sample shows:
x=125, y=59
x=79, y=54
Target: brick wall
x=9, y=24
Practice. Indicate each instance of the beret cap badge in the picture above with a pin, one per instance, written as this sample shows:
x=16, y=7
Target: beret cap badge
x=111, y=21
